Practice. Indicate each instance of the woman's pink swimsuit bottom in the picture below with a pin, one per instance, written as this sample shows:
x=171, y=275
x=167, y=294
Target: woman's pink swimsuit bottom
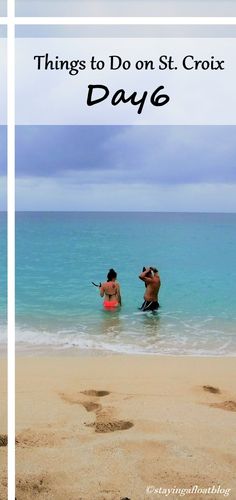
x=110, y=304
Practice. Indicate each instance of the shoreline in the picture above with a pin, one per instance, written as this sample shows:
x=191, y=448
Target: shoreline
x=26, y=349
x=144, y=335
x=107, y=427
x=29, y=349
x=23, y=349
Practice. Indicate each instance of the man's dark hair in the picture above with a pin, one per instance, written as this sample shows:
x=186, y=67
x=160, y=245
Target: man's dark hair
x=154, y=269
x=111, y=275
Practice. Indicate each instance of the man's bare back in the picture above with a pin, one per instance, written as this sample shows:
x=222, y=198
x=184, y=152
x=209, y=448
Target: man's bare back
x=152, y=289
x=152, y=282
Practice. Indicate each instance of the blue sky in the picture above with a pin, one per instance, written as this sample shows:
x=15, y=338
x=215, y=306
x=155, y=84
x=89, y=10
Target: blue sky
x=126, y=168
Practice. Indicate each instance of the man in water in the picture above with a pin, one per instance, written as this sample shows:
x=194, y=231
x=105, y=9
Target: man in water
x=152, y=282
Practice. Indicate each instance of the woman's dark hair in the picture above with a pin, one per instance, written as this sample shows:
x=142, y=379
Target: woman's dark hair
x=111, y=275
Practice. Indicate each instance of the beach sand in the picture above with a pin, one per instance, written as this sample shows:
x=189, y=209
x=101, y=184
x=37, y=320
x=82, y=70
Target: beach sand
x=3, y=424
x=106, y=427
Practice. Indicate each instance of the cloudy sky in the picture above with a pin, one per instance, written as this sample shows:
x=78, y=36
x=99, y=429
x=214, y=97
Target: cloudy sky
x=123, y=168
x=125, y=7
x=126, y=168
x=3, y=150
x=3, y=166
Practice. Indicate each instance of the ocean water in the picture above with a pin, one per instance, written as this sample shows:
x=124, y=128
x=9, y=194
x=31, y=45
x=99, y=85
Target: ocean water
x=58, y=255
x=3, y=276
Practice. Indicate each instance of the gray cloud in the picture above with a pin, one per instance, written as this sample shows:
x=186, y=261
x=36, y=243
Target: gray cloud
x=3, y=150
x=126, y=168
x=170, y=155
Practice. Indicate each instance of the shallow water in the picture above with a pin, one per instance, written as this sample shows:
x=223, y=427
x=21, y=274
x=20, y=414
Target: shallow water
x=59, y=254
x=3, y=276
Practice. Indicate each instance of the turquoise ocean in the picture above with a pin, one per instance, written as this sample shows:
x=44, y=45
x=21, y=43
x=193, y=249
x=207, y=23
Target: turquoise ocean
x=3, y=276
x=59, y=254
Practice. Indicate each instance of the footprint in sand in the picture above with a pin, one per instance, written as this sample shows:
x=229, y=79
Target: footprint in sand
x=90, y=406
x=30, y=438
x=32, y=485
x=94, y=393
x=211, y=388
x=75, y=400
x=225, y=405
x=3, y=440
x=113, y=425
x=103, y=423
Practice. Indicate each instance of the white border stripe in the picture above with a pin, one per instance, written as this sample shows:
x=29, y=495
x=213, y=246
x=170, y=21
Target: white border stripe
x=11, y=21
x=11, y=245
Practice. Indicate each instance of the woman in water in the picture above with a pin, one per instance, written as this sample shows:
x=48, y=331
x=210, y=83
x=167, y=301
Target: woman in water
x=110, y=290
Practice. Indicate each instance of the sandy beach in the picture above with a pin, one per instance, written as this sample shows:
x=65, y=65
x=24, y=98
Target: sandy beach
x=109, y=427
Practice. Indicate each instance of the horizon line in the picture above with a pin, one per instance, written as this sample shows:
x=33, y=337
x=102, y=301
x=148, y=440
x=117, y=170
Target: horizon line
x=123, y=211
